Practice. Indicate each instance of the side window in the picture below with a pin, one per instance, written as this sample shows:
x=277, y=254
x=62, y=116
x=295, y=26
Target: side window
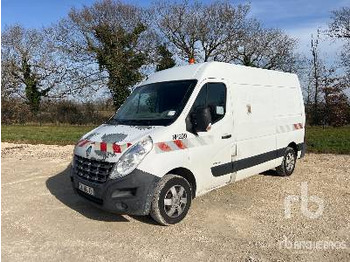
x=216, y=100
x=212, y=95
x=201, y=100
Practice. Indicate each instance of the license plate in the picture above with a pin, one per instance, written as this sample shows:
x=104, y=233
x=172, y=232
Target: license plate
x=86, y=189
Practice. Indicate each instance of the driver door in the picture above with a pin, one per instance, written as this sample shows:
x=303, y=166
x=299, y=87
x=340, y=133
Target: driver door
x=213, y=149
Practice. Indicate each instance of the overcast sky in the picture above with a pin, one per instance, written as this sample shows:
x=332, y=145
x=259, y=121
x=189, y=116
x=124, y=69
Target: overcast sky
x=299, y=18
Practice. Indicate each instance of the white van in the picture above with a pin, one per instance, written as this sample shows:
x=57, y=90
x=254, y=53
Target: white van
x=186, y=131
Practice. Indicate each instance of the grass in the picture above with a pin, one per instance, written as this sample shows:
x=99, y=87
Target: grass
x=47, y=134
x=318, y=139
x=328, y=140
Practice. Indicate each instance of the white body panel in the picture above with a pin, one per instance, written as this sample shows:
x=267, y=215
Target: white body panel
x=264, y=113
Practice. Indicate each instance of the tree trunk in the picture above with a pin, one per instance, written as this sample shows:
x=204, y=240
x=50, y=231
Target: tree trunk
x=33, y=98
x=316, y=77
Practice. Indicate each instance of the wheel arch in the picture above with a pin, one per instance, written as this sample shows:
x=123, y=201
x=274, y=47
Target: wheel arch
x=186, y=174
x=294, y=146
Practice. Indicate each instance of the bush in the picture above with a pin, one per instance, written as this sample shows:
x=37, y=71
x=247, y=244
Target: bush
x=68, y=112
x=16, y=111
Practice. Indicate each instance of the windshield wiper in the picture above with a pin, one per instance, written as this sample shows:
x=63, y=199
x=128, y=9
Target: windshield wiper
x=139, y=122
x=113, y=121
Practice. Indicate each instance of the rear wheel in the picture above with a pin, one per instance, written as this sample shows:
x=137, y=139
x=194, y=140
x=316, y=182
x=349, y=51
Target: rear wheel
x=288, y=163
x=171, y=200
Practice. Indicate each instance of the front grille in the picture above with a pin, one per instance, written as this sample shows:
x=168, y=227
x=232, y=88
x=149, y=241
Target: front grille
x=92, y=170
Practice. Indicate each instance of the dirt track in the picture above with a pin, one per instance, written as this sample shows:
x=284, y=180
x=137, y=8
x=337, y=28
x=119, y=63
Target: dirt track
x=43, y=220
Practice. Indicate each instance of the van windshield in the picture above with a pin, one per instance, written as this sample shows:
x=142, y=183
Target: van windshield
x=154, y=104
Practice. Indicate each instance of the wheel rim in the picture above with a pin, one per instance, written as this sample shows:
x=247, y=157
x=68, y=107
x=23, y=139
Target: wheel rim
x=175, y=201
x=290, y=161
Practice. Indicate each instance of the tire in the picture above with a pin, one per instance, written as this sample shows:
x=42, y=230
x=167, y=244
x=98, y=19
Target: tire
x=168, y=207
x=288, y=163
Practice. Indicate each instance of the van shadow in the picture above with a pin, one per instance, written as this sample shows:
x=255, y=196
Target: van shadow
x=270, y=173
x=60, y=186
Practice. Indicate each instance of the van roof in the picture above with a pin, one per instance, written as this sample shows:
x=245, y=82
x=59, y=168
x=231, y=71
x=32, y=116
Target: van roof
x=219, y=70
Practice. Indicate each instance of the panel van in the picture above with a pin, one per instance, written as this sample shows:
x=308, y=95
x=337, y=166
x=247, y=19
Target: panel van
x=186, y=131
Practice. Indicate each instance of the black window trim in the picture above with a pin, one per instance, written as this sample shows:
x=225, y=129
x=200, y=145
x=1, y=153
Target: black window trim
x=206, y=99
x=224, y=99
x=188, y=117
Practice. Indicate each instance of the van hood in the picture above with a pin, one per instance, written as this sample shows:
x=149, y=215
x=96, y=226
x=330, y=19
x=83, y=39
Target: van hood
x=109, y=142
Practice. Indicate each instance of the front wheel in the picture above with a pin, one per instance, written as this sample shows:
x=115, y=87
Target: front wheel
x=288, y=163
x=171, y=200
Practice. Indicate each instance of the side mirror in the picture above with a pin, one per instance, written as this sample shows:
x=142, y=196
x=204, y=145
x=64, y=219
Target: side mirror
x=201, y=119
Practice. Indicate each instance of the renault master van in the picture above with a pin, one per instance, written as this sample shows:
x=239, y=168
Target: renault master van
x=186, y=131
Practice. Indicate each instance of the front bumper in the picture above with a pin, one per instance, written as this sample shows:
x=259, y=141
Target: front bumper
x=131, y=194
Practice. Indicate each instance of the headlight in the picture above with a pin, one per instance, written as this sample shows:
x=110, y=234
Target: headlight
x=132, y=158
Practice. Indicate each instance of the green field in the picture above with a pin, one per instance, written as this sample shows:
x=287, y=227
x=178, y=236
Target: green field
x=318, y=139
x=328, y=140
x=47, y=134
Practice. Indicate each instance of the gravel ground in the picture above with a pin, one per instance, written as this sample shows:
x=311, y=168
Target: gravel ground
x=43, y=220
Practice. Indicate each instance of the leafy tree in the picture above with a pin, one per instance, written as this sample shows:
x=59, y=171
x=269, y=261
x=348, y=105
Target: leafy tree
x=116, y=55
x=112, y=35
x=165, y=58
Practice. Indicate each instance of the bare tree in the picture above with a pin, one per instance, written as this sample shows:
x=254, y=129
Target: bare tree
x=345, y=59
x=340, y=25
x=264, y=48
x=327, y=103
x=84, y=77
x=316, y=73
x=222, y=25
x=221, y=31
x=340, y=28
x=197, y=30
x=30, y=68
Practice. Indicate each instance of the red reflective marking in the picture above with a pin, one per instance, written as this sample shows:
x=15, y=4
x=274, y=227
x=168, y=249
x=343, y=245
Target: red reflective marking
x=116, y=148
x=296, y=126
x=83, y=142
x=128, y=144
x=180, y=144
x=164, y=147
x=103, y=147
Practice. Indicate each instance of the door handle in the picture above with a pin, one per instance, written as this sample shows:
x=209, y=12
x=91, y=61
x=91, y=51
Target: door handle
x=226, y=136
